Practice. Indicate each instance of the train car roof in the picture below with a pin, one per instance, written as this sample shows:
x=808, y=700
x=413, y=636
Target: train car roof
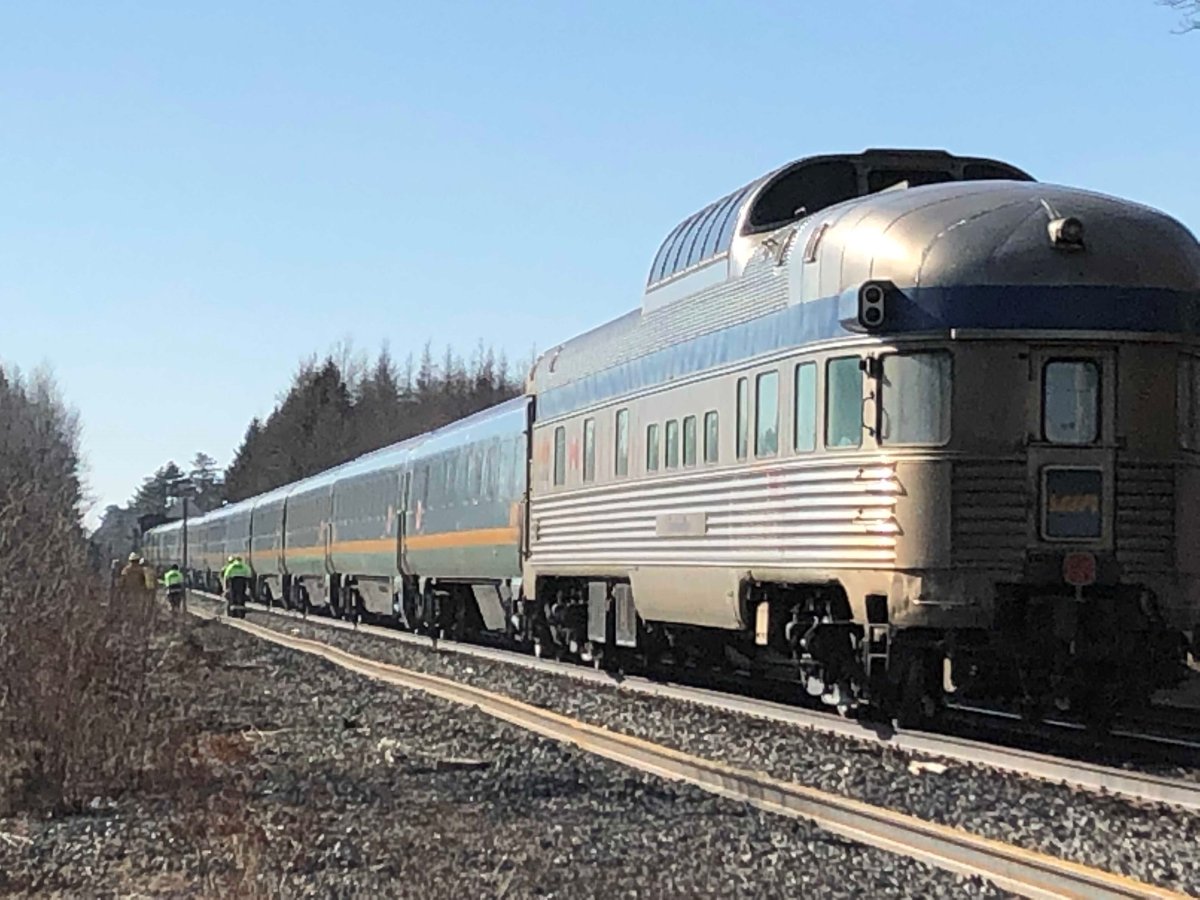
x=496, y=421
x=977, y=255
x=802, y=188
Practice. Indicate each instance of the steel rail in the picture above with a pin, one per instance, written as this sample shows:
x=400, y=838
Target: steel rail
x=1021, y=871
x=1091, y=777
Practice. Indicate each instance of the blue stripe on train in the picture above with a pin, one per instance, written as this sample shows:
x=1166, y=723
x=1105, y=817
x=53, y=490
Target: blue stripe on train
x=1072, y=308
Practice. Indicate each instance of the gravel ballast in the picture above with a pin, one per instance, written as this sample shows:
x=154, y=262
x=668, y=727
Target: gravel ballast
x=1153, y=843
x=300, y=779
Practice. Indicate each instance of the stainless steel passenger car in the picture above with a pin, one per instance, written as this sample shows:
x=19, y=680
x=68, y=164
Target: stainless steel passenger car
x=894, y=423
x=894, y=435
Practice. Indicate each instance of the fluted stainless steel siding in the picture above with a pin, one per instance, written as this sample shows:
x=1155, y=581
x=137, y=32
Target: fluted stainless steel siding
x=1145, y=522
x=831, y=514
x=990, y=513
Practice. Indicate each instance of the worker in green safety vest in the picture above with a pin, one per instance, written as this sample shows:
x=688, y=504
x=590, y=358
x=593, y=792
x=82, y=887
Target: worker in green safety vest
x=235, y=578
x=172, y=580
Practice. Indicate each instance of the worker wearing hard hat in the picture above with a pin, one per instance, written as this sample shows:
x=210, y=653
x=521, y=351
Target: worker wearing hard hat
x=235, y=579
x=131, y=584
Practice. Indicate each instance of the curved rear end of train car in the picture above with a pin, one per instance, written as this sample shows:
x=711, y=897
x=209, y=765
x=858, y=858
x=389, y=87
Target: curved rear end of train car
x=899, y=424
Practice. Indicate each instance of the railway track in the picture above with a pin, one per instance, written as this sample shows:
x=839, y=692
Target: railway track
x=1024, y=872
x=1083, y=775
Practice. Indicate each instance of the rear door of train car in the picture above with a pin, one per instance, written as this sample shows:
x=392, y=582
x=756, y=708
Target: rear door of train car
x=1072, y=459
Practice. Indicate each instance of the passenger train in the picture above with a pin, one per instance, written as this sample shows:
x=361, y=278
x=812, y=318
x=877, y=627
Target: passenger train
x=892, y=425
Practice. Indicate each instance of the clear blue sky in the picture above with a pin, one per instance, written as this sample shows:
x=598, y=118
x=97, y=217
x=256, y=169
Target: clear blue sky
x=177, y=176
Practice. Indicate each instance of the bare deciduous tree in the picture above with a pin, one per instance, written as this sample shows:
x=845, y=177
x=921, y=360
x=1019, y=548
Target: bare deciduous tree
x=1189, y=11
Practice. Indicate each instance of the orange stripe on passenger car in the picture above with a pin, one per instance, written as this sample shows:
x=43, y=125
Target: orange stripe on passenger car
x=480, y=537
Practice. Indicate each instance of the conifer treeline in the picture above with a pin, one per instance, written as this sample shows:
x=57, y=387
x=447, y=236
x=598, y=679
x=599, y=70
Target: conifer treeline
x=342, y=406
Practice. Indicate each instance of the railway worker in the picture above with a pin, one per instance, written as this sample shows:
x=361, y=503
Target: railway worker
x=235, y=578
x=131, y=584
x=172, y=580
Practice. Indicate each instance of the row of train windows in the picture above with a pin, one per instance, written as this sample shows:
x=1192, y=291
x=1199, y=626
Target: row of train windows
x=914, y=404
x=915, y=394
x=479, y=473
x=689, y=445
x=673, y=445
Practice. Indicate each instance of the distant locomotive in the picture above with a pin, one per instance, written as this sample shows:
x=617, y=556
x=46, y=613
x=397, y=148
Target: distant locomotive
x=890, y=424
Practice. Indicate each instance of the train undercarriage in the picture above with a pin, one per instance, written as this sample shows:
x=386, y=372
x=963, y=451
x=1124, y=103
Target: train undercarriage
x=1087, y=657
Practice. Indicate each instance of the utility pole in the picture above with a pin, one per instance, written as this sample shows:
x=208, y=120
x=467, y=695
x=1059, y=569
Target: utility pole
x=183, y=489
x=184, y=533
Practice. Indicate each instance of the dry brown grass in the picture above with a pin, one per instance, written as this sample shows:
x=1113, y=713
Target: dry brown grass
x=74, y=665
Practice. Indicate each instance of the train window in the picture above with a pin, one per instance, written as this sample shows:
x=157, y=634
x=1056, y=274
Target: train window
x=672, y=443
x=436, y=473
x=475, y=478
x=656, y=267
x=729, y=222
x=1188, y=402
x=743, y=417
x=699, y=231
x=689, y=441
x=678, y=257
x=766, y=418
x=843, y=402
x=916, y=404
x=515, y=469
x=560, y=455
x=1071, y=401
x=652, y=448
x=621, y=450
x=489, y=472
x=589, y=449
x=878, y=179
x=804, y=425
x=712, y=433
x=989, y=171
x=451, y=479
x=802, y=191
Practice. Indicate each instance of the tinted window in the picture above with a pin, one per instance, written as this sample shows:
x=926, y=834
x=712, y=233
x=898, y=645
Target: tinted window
x=713, y=231
x=621, y=450
x=504, y=487
x=589, y=449
x=676, y=259
x=489, y=472
x=560, y=455
x=712, y=434
x=651, y=448
x=743, y=417
x=843, y=402
x=725, y=237
x=878, y=179
x=1072, y=503
x=766, y=434
x=804, y=429
x=475, y=479
x=989, y=171
x=1188, y=402
x=803, y=191
x=689, y=441
x=519, y=472
x=673, y=444
x=695, y=250
x=916, y=398
x=664, y=253
x=1071, y=401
